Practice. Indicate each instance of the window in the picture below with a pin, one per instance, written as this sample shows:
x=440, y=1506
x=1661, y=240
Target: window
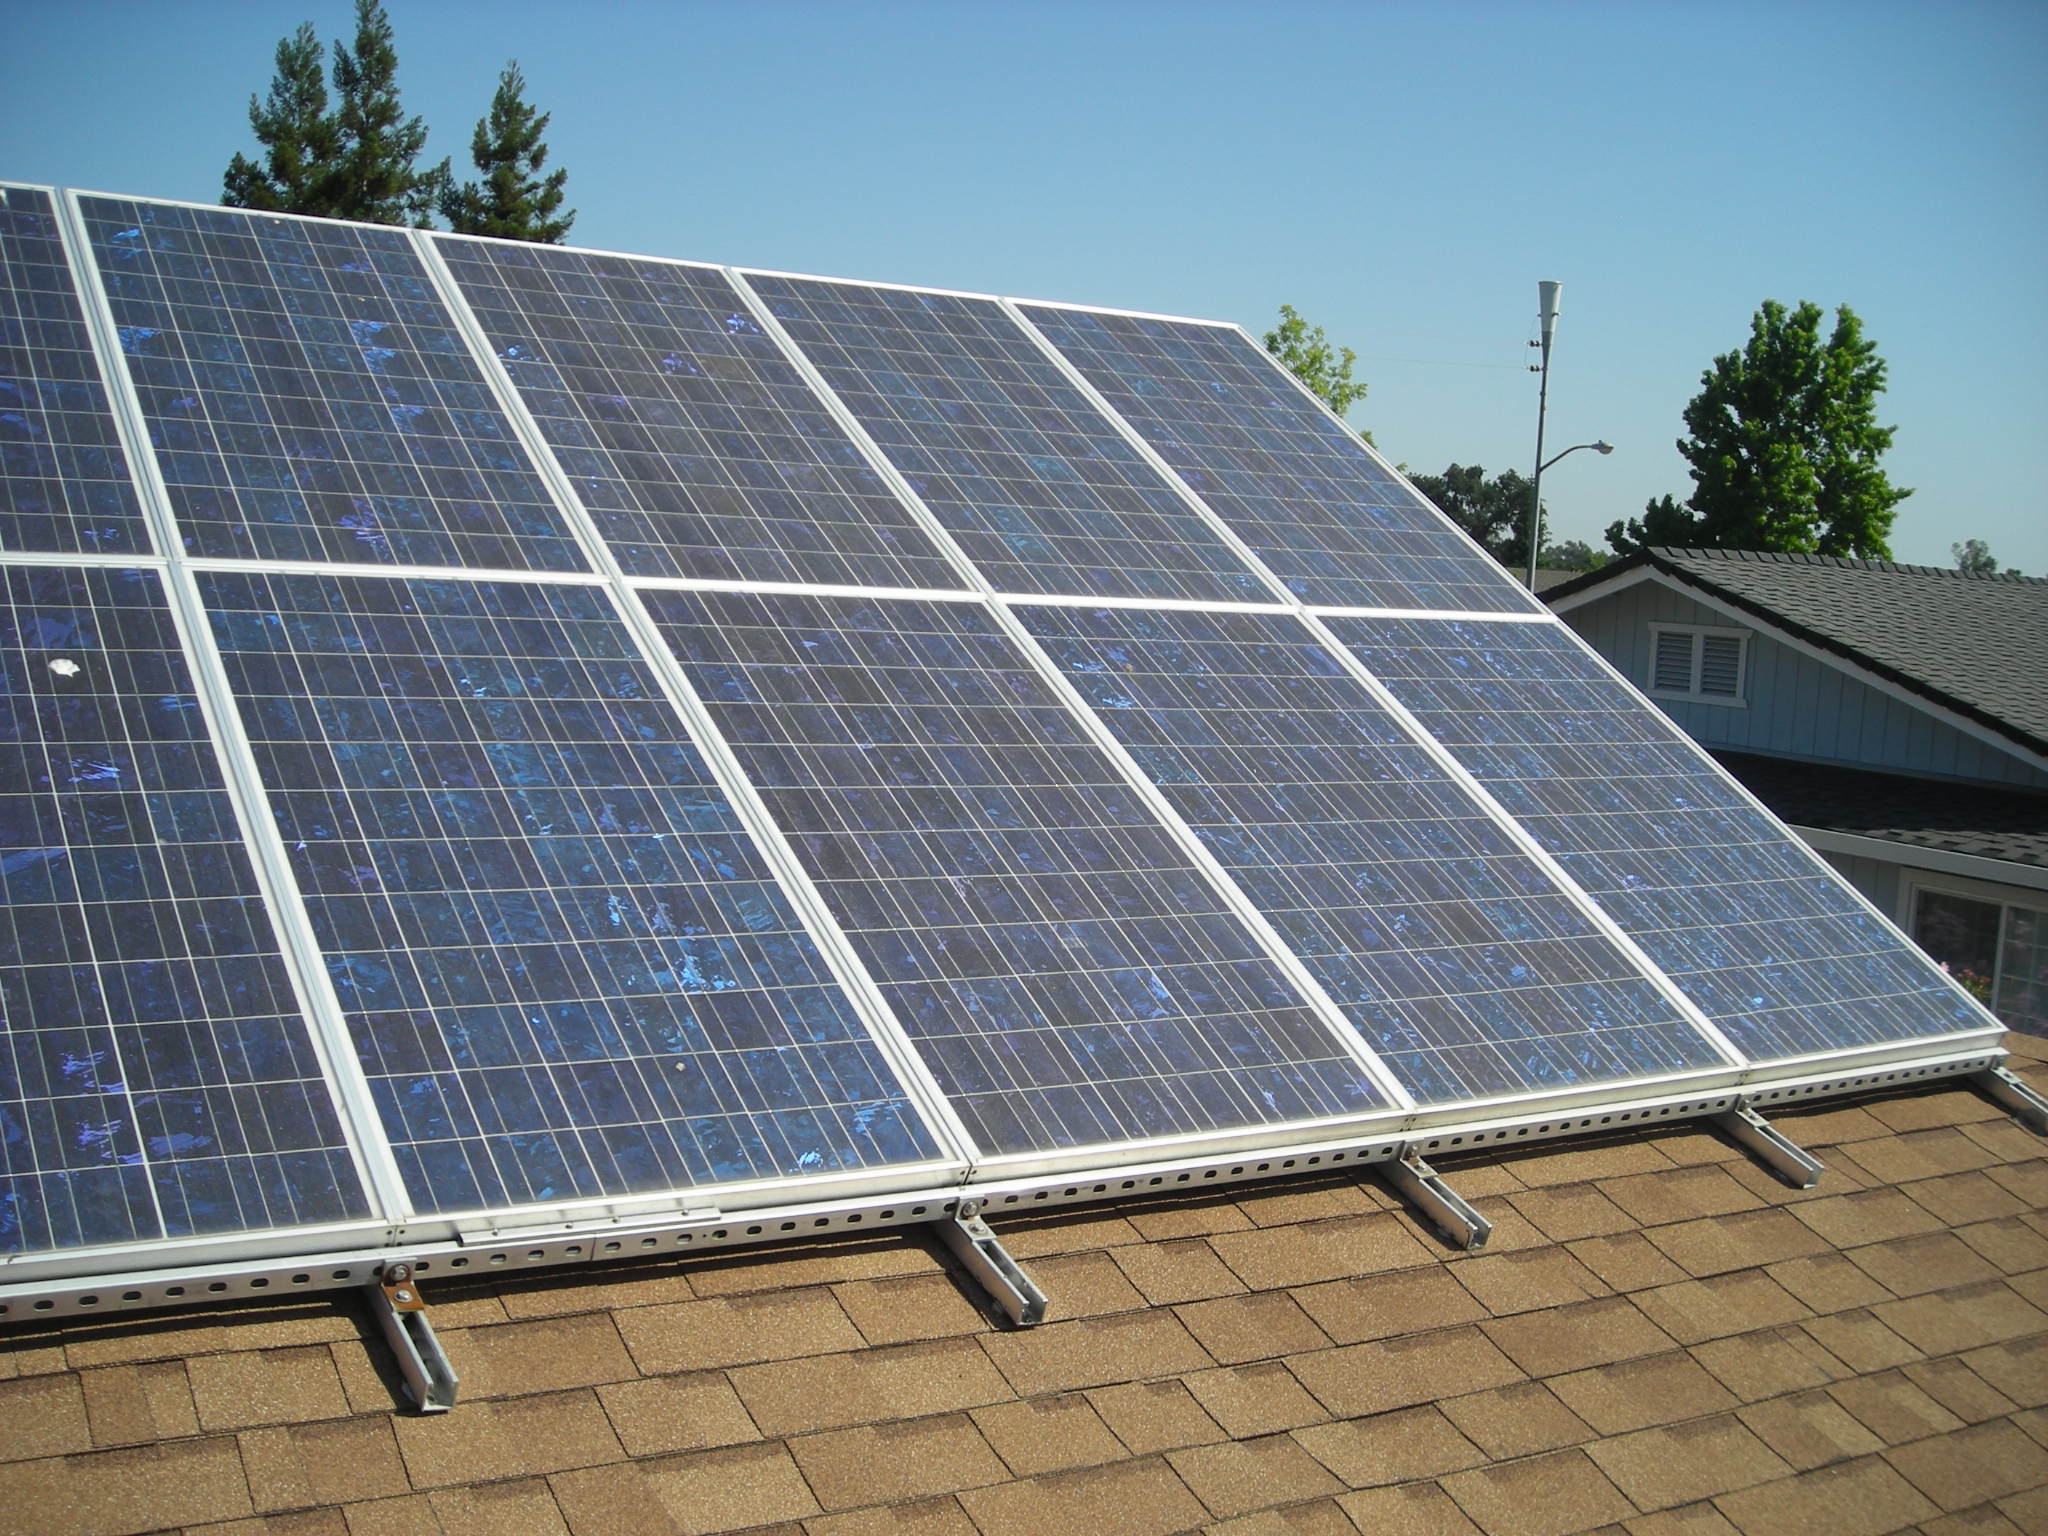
x=1997, y=950
x=1687, y=662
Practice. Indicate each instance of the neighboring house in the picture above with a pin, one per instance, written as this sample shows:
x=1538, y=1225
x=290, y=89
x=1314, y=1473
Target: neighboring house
x=1895, y=715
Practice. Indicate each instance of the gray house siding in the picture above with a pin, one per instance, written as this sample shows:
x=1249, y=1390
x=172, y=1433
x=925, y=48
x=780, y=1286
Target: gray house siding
x=1796, y=706
x=1877, y=879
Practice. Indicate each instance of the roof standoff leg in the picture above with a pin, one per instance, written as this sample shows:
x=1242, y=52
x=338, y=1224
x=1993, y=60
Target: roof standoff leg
x=1770, y=1146
x=2011, y=1092
x=998, y=1274
x=1419, y=1184
x=400, y=1309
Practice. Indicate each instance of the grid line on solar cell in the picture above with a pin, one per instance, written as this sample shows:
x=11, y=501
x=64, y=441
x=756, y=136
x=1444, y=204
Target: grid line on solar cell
x=1464, y=966
x=693, y=442
x=566, y=969
x=1037, y=486
x=310, y=398
x=1066, y=971
x=1743, y=917
x=156, y=1077
x=64, y=481
x=1300, y=489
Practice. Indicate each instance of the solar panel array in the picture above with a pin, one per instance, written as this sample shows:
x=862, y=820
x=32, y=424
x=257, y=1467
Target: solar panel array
x=710, y=736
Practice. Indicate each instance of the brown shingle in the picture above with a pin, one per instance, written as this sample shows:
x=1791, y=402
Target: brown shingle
x=511, y=1437
x=1260, y=1399
x=1974, y=1465
x=128, y=1404
x=1351, y=1311
x=924, y=1517
x=1048, y=1434
x=1564, y=1212
x=1679, y=1194
x=1518, y=1420
x=2018, y=1368
x=1570, y=1338
x=1322, y=1517
x=1920, y=1155
x=1860, y=1341
x=1913, y=1266
x=1694, y=1311
x=1758, y=1365
x=880, y=1464
x=1058, y=1357
x=2028, y=1181
x=546, y=1355
x=1857, y=1498
x=735, y=1330
x=412, y=1515
x=1398, y=1373
x=1827, y=1282
x=1241, y=1475
x=1963, y=1197
x=2009, y=1243
x=273, y=1386
x=1810, y=1429
x=1717, y=1244
x=902, y=1381
x=691, y=1495
x=1150, y=1416
x=1539, y=1278
x=1893, y=1408
x=1585, y=1163
x=1077, y=1231
x=1949, y=1322
x=1272, y=1257
x=1543, y=1496
x=1133, y=1498
x=105, y=1493
x=1959, y=1389
x=676, y=1413
x=1420, y=1509
x=1292, y=1201
x=1635, y=1394
x=909, y=1307
x=523, y=1508
x=1866, y=1216
x=45, y=1416
x=1924, y=1111
x=1395, y=1447
x=1084, y=1285
x=1257, y=1326
x=564, y=1294
x=1171, y=1272
x=1197, y=1216
x=1626, y=1261
x=274, y=1470
x=793, y=1266
x=1681, y=1463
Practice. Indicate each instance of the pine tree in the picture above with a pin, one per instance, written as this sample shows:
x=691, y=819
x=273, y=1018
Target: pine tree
x=375, y=176
x=514, y=201
x=297, y=134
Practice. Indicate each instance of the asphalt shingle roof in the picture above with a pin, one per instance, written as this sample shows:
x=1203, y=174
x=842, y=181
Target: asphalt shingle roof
x=1928, y=813
x=1978, y=644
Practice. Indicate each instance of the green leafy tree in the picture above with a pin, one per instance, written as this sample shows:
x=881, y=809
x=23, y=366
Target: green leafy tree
x=1572, y=555
x=1495, y=512
x=1783, y=445
x=1306, y=353
x=297, y=134
x=514, y=201
x=358, y=160
x=1974, y=558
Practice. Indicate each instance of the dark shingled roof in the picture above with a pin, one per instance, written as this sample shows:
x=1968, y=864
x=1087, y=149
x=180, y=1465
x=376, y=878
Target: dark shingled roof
x=1977, y=644
x=1928, y=813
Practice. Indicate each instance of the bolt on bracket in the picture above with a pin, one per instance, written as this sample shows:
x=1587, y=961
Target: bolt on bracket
x=1445, y=1209
x=982, y=1252
x=402, y=1313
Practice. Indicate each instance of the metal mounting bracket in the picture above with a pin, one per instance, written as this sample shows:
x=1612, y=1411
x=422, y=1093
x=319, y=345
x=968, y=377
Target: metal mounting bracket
x=1449, y=1212
x=991, y=1265
x=402, y=1312
x=2009, y=1091
x=1770, y=1146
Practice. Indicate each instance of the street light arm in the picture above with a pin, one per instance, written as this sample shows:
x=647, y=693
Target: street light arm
x=1603, y=448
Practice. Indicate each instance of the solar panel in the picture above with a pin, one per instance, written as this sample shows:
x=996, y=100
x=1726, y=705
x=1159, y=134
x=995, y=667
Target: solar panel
x=63, y=478
x=1467, y=969
x=1039, y=488
x=694, y=442
x=1756, y=929
x=156, y=1075
x=1065, y=969
x=566, y=969
x=309, y=397
x=1302, y=489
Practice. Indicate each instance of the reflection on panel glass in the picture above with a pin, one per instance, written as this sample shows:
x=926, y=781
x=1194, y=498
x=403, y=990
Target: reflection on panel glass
x=1066, y=971
x=689, y=436
x=566, y=969
x=1456, y=956
x=1040, y=489
x=1296, y=486
x=1745, y=918
x=156, y=1078
x=64, y=483
x=309, y=397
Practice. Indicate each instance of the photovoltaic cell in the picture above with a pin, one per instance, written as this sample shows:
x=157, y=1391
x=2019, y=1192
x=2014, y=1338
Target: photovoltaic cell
x=693, y=441
x=1458, y=958
x=156, y=1077
x=567, y=972
x=64, y=485
x=309, y=396
x=1064, y=968
x=1297, y=486
x=1758, y=932
x=1039, y=488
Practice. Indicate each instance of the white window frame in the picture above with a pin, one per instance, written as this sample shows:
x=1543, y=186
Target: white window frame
x=1697, y=635
x=2004, y=897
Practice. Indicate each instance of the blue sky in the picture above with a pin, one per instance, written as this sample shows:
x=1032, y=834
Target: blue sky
x=1402, y=174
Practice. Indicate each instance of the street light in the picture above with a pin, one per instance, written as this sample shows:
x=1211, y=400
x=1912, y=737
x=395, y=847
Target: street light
x=1546, y=301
